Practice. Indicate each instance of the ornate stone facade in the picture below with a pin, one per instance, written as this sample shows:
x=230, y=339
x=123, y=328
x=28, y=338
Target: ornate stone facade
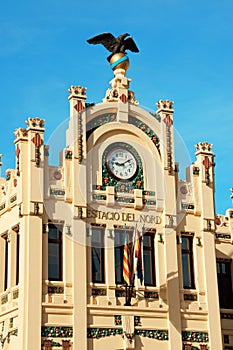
x=63, y=230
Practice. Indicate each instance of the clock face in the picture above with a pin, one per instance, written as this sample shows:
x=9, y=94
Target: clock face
x=121, y=163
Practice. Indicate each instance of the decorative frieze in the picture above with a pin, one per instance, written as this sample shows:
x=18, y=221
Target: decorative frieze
x=55, y=290
x=4, y=299
x=15, y=294
x=222, y=235
x=147, y=130
x=148, y=193
x=193, y=336
x=148, y=202
x=187, y=206
x=13, y=198
x=56, y=332
x=99, y=292
x=96, y=333
x=57, y=192
x=153, y=333
x=117, y=320
x=98, y=121
x=124, y=199
x=99, y=197
x=2, y=206
x=190, y=297
x=137, y=321
x=151, y=295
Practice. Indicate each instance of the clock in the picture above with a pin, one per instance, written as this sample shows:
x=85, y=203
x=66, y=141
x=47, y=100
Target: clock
x=121, y=163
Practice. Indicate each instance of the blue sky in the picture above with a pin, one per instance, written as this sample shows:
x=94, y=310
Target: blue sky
x=186, y=51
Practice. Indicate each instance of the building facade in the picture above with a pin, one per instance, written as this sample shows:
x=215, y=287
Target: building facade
x=64, y=230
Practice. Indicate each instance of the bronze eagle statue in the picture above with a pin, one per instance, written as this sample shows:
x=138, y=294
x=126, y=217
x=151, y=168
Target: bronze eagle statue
x=115, y=45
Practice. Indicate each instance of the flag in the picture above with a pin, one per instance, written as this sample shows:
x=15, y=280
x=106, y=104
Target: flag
x=138, y=257
x=126, y=263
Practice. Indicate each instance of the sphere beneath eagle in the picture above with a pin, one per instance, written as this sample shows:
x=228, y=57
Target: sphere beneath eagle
x=119, y=60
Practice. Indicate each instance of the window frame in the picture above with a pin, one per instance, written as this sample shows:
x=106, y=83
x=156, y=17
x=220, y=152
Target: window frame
x=6, y=262
x=150, y=249
x=60, y=256
x=222, y=289
x=188, y=252
x=100, y=246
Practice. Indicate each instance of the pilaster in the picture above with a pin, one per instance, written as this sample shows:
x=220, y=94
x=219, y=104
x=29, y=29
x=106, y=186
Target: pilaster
x=79, y=286
x=173, y=293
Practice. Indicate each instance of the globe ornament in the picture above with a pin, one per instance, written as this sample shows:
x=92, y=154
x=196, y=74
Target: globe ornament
x=119, y=61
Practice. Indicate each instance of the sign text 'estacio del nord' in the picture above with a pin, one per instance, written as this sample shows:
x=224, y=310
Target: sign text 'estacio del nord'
x=122, y=216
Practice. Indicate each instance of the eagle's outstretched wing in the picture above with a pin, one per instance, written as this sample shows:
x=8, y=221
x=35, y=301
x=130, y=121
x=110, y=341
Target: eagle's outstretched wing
x=106, y=39
x=130, y=45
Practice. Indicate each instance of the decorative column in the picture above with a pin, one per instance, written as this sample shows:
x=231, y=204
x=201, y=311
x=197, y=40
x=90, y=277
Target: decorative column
x=76, y=132
x=165, y=110
x=205, y=163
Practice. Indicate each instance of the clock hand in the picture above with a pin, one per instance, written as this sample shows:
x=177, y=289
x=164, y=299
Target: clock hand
x=129, y=160
x=119, y=164
x=122, y=164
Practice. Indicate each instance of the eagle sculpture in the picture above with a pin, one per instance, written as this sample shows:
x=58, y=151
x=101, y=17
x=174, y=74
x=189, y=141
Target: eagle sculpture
x=115, y=45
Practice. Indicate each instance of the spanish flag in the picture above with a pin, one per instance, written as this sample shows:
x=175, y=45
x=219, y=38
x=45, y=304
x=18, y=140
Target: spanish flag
x=138, y=257
x=126, y=264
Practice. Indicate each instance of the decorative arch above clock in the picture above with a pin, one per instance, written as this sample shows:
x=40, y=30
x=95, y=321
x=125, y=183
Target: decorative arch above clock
x=146, y=129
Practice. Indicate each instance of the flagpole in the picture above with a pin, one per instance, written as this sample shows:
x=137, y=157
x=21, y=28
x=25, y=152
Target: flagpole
x=127, y=271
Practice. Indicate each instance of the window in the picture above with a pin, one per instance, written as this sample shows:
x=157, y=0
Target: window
x=187, y=262
x=55, y=252
x=17, y=258
x=225, y=284
x=120, y=237
x=226, y=339
x=6, y=263
x=97, y=255
x=149, y=259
